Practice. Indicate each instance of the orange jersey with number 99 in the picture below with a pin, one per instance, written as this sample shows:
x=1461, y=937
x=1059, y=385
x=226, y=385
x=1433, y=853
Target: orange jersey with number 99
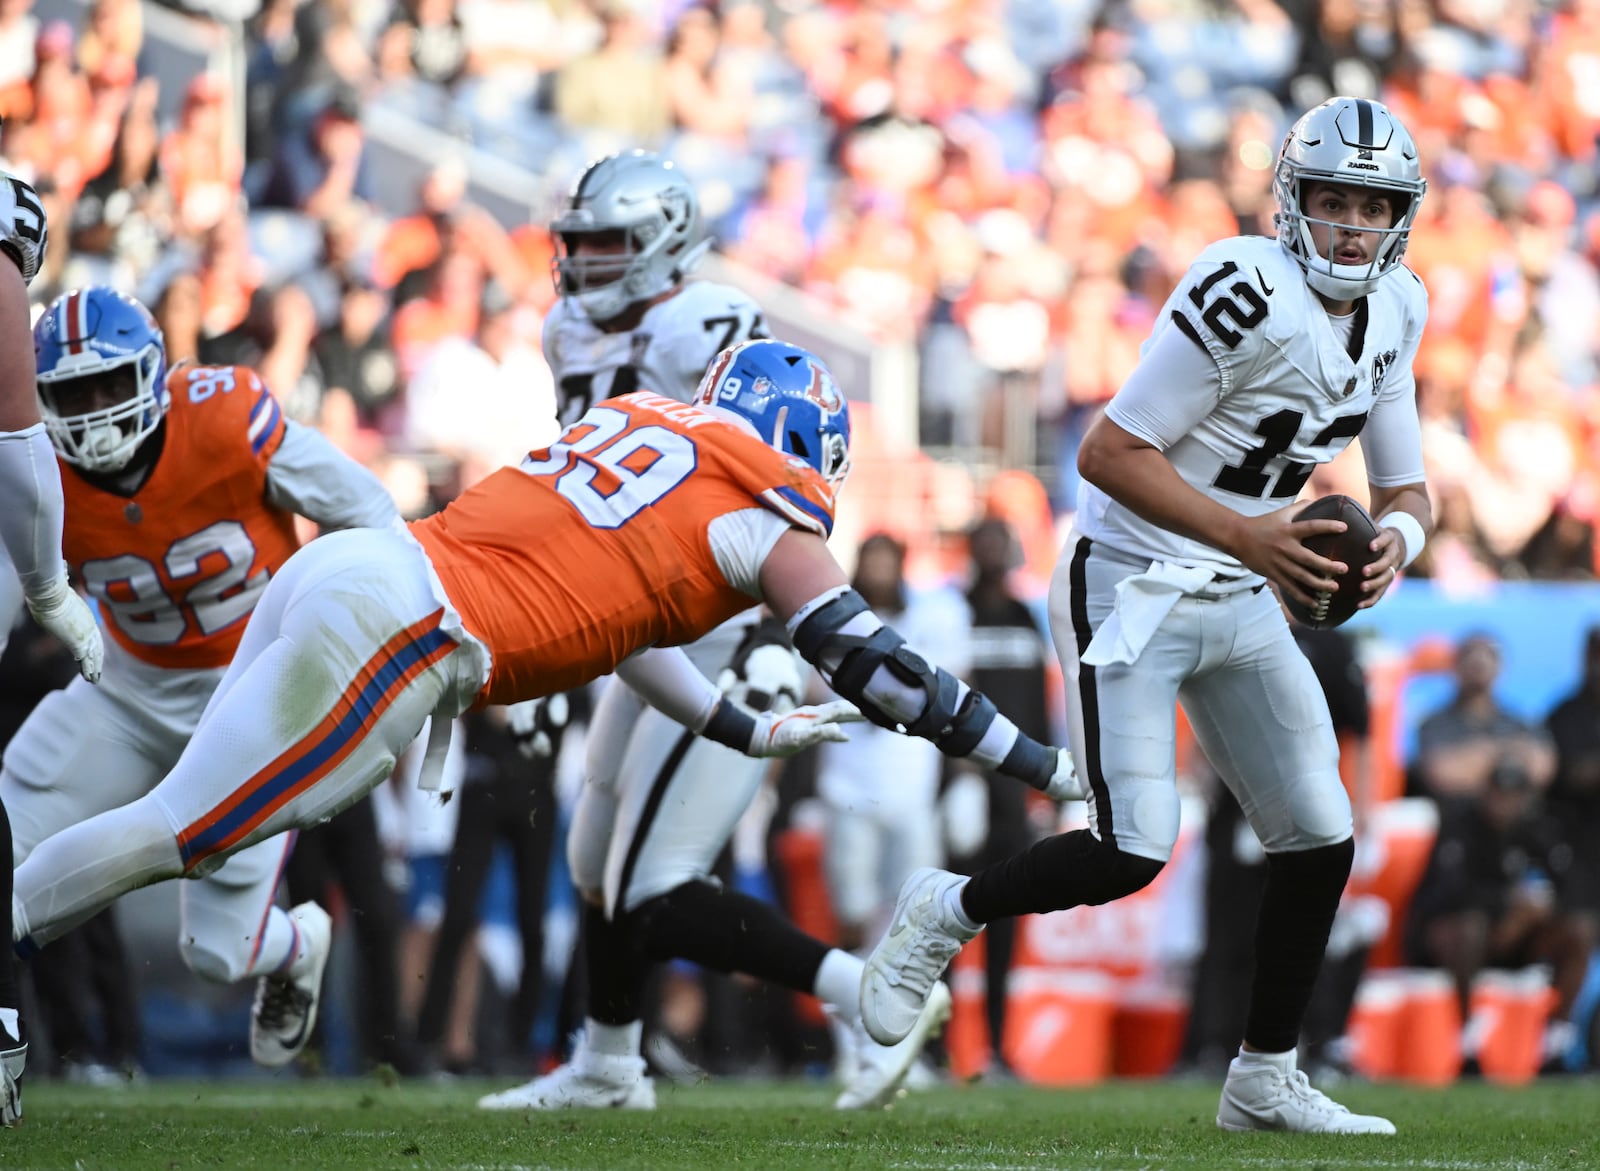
x=612, y=539
x=178, y=565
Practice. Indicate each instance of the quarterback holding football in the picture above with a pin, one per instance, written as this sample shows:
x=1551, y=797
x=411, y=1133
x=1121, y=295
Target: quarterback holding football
x=1267, y=360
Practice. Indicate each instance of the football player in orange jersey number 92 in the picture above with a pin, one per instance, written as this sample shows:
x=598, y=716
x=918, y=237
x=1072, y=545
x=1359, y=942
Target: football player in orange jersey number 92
x=181, y=490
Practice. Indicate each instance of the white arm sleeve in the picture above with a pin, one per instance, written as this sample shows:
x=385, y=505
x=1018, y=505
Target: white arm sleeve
x=1391, y=441
x=666, y=680
x=312, y=477
x=1175, y=385
x=31, y=519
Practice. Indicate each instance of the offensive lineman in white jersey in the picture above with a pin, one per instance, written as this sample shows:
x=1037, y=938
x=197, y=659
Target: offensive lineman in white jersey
x=1268, y=359
x=659, y=803
x=31, y=510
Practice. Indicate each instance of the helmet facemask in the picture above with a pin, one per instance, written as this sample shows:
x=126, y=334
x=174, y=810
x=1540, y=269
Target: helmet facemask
x=832, y=458
x=104, y=438
x=1342, y=282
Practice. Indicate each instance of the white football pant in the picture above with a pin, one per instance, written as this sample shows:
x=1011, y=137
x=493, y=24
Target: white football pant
x=92, y=747
x=1250, y=695
x=658, y=802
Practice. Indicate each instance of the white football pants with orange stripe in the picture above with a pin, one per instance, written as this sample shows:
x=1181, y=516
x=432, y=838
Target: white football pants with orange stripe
x=349, y=651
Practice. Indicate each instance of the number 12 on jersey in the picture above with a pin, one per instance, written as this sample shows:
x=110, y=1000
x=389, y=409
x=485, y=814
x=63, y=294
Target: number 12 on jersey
x=611, y=473
x=1278, y=431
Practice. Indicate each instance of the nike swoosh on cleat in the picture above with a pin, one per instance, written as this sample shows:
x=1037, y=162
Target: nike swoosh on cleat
x=1265, y=288
x=299, y=1037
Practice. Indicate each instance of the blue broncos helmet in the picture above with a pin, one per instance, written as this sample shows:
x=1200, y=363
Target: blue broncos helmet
x=102, y=373
x=789, y=397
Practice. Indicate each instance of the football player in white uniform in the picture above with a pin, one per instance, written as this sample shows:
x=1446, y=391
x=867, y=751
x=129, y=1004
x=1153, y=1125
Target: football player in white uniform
x=1267, y=360
x=181, y=491
x=659, y=803
x=30, y=534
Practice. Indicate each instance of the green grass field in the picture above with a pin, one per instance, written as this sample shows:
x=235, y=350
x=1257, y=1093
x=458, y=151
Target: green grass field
x=1124, y=1127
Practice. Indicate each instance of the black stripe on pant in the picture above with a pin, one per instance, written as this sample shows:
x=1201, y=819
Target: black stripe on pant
x=1088, y=694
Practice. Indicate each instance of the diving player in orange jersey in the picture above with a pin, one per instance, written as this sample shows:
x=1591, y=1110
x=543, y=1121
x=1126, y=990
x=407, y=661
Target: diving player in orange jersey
x=181, y=491
x=646, y=524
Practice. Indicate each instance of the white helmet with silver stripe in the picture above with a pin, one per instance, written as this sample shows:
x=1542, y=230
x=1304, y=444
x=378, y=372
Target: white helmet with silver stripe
x=1356, y=142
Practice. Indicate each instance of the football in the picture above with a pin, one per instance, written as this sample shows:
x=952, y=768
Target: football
x=1350, y=547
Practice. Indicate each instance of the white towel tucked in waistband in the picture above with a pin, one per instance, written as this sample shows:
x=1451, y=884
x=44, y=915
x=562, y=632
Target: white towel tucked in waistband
x=1143, y=603
x=431, y=776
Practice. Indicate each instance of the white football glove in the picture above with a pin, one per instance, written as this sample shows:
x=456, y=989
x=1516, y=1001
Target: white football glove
x=60, y=610
x=1064, y=784
x=788, y=733
x=536, y=724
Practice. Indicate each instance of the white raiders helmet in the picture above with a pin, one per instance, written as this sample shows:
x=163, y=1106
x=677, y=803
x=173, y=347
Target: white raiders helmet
x=654, y=205
x=1360, y=143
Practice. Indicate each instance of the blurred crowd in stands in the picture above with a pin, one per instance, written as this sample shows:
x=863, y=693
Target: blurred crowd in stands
x=1012, y=186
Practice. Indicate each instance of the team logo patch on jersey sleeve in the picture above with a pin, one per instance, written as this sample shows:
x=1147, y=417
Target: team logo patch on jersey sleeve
x=1380, y=369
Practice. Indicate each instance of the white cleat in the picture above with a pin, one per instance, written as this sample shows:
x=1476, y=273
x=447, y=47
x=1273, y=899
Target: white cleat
x=880, y=1069
x=904, y=968
x=590, y=1081
x=11, y=1063
x=1262, y=1096
x=286, y=1006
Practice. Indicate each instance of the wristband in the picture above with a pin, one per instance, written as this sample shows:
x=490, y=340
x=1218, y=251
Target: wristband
x=1410, y=530
x=730, y=724
x=1030, y=762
